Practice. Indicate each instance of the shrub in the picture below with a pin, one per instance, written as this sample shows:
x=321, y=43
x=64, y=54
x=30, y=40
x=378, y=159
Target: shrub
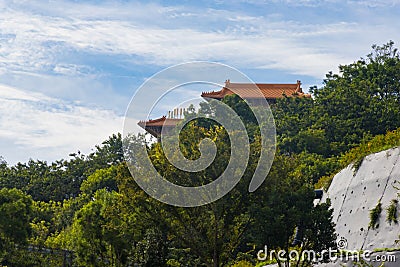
x=243, y=264
x=374, y=216
x=392, y=212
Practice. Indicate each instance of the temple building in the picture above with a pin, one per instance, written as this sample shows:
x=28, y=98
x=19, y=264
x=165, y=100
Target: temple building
x=154, y=127
x=270, y=92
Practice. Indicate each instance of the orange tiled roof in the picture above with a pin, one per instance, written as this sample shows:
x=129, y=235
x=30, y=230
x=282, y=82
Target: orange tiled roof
x=244, y=90
x=247, y=90
x=163, y=121
x=154, y=127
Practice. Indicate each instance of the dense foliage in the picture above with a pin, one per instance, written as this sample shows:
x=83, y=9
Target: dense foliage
x=89, y=211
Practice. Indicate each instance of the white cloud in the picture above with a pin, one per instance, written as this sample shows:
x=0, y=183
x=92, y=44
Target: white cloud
x=39, y=38
x=315, y=3
x=89, y=89
x=43, y=48
x=33, y=122
x=33, y=42
x=375, y=3
x=72, y=69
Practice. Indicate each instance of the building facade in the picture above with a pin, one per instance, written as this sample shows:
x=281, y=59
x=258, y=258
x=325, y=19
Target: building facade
x=251, y=92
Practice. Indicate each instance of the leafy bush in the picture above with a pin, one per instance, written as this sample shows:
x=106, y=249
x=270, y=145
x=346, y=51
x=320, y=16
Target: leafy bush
x=356, y=155
x=242, y=264
x=378, y=143
x=392, y=212
x=374, y=216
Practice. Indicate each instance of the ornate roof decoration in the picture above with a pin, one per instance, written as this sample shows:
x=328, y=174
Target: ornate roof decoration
x=269, y=90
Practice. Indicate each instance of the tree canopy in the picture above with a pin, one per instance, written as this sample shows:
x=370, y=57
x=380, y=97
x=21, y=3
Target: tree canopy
x=88, y=210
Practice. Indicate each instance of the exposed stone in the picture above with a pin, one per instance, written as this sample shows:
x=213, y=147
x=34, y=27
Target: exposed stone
x=354, y=193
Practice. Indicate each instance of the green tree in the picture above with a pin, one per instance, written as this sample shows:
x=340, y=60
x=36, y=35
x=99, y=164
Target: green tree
x=102, y=178
x=96, y=237
x=215, y=233
x=319, y=233
x=293, y=116
x=15, y=228
x=364, y=98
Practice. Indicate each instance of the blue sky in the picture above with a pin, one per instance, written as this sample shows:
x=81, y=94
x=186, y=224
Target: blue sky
x=69, y=68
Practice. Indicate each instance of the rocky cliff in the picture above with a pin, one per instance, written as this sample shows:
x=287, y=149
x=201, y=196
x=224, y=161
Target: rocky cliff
x=354, y=193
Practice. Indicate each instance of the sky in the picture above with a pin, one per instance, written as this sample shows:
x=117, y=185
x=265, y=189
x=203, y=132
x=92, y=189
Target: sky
x=68, y=69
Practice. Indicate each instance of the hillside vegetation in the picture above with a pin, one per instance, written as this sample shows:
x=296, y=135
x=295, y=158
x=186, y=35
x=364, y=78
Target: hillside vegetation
x=88, y=210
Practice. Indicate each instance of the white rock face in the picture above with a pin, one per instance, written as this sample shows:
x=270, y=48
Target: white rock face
x=354, y=193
